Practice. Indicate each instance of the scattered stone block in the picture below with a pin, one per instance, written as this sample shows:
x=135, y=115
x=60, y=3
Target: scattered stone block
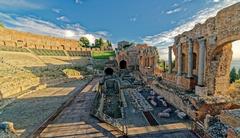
x=181, y=115
x=168, y=110
x=163, y=115
x=153, y=103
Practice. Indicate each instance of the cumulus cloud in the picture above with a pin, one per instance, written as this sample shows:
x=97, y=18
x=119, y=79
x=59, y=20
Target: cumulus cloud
x=38, y=26
x=19, y=4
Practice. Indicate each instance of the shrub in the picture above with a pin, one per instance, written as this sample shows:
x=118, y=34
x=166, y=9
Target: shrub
x=72, y=73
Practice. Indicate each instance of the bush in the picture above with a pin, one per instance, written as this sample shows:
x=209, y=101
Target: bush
x=72, y=73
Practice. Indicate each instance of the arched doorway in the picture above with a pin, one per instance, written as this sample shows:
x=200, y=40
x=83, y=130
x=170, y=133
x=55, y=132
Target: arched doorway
x=221, y=63
x=184, y=63
x=123, y=64
x=194, y=61
x=108, y=71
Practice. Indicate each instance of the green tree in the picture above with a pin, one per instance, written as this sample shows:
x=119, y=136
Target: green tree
x=233, y=75
x=84, y=42
x=109, y=43
x=162, y=64
x=97, y=43
x=1, y=25
x=100, y=43
x=239, y=74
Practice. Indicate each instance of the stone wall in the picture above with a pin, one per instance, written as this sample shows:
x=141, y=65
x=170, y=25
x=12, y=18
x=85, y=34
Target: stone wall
x=140, y=57
x=14, y=38
x=211, y=50
x=148, y=58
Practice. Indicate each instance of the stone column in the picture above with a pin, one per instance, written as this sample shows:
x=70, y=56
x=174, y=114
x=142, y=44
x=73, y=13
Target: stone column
x=169, y=60
x=190, y=58
x=202, y=57
x=179, y=50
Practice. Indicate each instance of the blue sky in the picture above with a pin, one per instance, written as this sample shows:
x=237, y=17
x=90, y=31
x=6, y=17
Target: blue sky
x=155, y=22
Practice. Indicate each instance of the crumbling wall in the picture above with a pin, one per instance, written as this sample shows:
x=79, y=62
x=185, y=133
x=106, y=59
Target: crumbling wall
x=217, y=32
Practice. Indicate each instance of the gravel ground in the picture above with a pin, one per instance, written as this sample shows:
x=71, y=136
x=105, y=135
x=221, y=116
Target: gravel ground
x=32, y=109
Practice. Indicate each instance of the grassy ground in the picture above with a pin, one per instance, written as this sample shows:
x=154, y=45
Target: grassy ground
x=103, y=54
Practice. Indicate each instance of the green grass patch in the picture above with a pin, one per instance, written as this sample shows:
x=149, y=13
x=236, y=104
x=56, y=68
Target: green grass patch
x=103, y=54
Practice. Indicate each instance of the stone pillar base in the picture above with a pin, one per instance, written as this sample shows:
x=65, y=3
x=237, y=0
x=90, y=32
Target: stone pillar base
x=201, y=91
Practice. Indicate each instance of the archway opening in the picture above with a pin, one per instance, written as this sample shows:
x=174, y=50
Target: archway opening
x=123, y=64
x=194, y=61
x=184, y=65
x=108, y=71
x=225, y=69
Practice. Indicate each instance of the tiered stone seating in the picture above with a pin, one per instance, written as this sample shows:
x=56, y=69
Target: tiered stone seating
x=13, y=49
x=47, y=52
x=79, y=53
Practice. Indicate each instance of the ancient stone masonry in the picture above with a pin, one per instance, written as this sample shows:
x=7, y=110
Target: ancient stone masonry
x=203, y=54
x=148, y=58
x=14, y=38
x=140, y=57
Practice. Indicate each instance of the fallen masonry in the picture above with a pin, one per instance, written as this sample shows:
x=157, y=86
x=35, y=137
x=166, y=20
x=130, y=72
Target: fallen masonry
x=128, y=107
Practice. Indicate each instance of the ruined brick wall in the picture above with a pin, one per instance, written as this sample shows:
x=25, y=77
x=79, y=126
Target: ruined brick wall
x=22, y=39
x=143, y=56
x=14, y=38
x=148, y=60
x=217, y=32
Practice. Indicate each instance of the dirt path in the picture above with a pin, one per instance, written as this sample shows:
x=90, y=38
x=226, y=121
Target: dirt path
x=32, y=109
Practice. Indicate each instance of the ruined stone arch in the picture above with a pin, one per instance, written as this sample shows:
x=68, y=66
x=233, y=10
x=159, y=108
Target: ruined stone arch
x=212, y=42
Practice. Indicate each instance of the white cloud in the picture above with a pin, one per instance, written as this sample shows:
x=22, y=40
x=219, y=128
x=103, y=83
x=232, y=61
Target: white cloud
x=19, y=4
x=175, y=5
x=63, y=18
x=133, y=19
x=78, y=1
x=56, y=10
x=216, y=1
x=173, y=11
x=185, y=1
x=165, y=39
x=33, y=25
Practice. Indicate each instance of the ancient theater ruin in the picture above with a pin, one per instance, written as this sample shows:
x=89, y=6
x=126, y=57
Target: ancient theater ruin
x=53, y=87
